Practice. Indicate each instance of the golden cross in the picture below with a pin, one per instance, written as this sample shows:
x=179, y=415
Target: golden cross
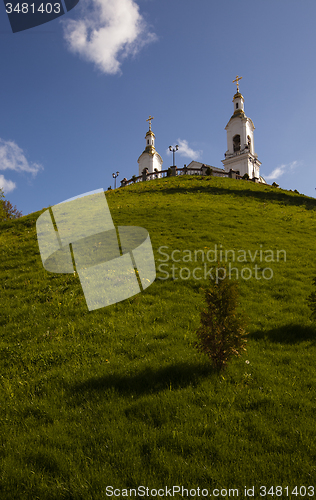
x=149, y=120
x=237, y=81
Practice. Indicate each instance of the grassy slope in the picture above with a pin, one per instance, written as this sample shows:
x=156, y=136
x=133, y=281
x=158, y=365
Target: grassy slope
x=118, y=396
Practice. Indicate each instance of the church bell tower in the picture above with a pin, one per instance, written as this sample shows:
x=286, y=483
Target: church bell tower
x=240, y=155
x=149, y=159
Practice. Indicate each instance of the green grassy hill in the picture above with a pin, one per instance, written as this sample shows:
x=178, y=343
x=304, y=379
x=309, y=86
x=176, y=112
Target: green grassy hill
x=119, y=396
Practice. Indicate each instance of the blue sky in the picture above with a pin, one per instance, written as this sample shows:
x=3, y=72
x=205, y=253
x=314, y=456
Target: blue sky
x=74, y=106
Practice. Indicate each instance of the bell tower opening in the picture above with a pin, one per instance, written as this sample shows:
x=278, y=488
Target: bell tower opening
x=236, y=142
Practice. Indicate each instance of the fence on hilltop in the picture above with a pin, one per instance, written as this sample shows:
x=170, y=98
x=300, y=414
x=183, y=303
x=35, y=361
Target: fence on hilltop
x=175, y=171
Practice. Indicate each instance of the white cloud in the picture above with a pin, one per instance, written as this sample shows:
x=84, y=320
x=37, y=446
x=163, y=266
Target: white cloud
x=107, y=32
x=282, y=169
x=185, y=150
x=7, y=186
x=13, y=158
x=276, y=173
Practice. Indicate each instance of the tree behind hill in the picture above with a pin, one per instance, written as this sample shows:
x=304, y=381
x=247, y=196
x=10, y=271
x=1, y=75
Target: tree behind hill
x=7, y=211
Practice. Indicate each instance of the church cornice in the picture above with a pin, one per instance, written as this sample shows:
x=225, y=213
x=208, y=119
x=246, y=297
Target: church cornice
x=239, y=155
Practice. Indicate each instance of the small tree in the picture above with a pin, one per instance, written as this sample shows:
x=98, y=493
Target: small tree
x=7, y=211
x=221, y=334
x=209, y=171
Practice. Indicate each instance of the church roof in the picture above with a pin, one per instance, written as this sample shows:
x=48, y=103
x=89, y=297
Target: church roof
x=198, y=164
x=242, y=116
x=151, y=152
x=239, y=112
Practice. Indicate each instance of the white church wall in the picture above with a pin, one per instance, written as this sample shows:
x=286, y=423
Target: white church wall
x=249, y=131
x=230, y=149
x=243, y=136
x=145, y=161
x=156, y=163
x=150, y=162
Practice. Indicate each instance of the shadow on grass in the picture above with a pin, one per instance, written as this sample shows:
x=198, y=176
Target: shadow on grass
x=289, y=334
x=147, y=381
x=245, y=189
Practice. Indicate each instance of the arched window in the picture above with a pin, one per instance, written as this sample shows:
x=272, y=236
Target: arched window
x=236, y=143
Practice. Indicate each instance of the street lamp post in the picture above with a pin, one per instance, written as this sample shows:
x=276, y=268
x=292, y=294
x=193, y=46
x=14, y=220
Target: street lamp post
x=173, y=151
x=114, y=176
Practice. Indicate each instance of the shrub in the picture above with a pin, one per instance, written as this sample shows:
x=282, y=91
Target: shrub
x=221, y=334
x=7, y=211
x=245, y=177
x=209, y=171
x=275, y=185
x=134, y=178
x=169, y=172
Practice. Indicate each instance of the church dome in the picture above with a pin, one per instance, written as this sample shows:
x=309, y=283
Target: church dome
x=239, y=112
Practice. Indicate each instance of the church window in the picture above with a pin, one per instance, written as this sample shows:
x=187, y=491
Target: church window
x=147, y=141
x=236, y=143
x=236, y=105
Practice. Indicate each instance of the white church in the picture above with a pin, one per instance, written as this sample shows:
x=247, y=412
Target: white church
x=150, y=159
x=240, y=157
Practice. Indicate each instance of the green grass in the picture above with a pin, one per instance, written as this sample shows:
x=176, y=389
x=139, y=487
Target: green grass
x=119, y=396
